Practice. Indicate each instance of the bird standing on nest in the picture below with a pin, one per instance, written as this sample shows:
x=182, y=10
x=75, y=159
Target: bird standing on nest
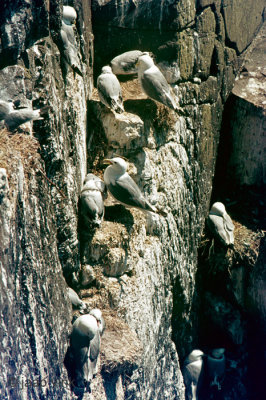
x=123, y=188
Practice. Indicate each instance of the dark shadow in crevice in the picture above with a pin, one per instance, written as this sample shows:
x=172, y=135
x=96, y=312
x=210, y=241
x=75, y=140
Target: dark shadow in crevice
x=120, y=214
x=109, y=383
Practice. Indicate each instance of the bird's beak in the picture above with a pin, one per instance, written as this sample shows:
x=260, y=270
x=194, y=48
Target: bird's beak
x=107, y=161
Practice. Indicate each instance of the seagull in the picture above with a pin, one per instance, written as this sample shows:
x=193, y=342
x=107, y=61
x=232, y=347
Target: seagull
x=220, y=224
x=75, y=300
x=193, y=374
x=13, y=118
x=109, y=90
x=122, y=187
x=91, y=200
x=153, y=83
x=67, y=33
x=216, y=367
x=125, y=63
x=85, y=341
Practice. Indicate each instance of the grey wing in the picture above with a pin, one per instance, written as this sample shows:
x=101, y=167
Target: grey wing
x=64, y=38
x=92, y=205
x=216, y=226
x=108, y=88
x=74, y=298
x=95, y=347
x=129, y=65
x=155, y=84
x=127, y=191
x=16, y=118
x=228, y=223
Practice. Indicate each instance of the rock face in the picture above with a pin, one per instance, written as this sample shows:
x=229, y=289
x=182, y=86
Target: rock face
x=142, y=268
x=247, y=162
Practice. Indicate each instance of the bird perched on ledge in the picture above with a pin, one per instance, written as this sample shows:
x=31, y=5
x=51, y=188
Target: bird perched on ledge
x=153, y=83
x=109, y=90
x=91, y=201
x=85, y=341
x=193, y=374
x=123, y=188
x=13, y=118
x=125, y=63
x=220, y=224
x=216, y=367
x=75, y=300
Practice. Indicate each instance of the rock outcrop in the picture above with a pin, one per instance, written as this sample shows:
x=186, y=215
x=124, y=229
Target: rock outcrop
x=141, y=270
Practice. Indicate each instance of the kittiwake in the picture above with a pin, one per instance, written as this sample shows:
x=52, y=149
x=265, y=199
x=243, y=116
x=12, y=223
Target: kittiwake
x=220, y=224
x=70, y=48
x=193, y=374
x=75, y=300
x=109, y=90
x=123, y=188
x=216, y=367
x=153, y=83
x=85, y=341
x=13, y=118
x=91, y=200
x=125, y=63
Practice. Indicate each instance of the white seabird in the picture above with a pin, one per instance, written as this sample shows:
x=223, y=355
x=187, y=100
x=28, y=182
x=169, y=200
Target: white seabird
x=109, y=90
x=68, y=38
x=216, y=367
x=153, y=83
x=91, y=200
x=193, y=374
x=13, y=118
x=125, y=63
x=75, y=300
x=220, y=224
x=85, y=341
x=122, y=187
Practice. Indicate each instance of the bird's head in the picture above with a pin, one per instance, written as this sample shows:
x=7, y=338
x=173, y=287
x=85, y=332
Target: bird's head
x=144, y=61
x=117, y=163
x=69, y=15
x=218, y=353
x=218, y=209
x=107, y=70
x=97, y=314
x=195, y=355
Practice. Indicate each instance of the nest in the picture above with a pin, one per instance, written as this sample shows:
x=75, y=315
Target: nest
x=15, y=148
x=121, y=350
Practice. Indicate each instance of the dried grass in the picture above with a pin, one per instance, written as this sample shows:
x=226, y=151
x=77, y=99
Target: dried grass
x=15, y=148
x=121, y=350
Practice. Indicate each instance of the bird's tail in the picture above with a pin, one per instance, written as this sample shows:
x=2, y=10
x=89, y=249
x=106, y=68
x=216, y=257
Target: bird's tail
x=117, y=107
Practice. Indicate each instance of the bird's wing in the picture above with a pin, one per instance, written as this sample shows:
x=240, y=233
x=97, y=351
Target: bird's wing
x=228, y=223
x=95, y=347
x=16, y=118
x=91, y=205
x=216, y=226
x=154, y=83
x=126, y=191
x=108, y=87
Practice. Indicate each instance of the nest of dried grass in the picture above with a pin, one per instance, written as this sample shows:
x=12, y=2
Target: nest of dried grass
x=15, y=148
x=121, y=350
x=247, y=243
